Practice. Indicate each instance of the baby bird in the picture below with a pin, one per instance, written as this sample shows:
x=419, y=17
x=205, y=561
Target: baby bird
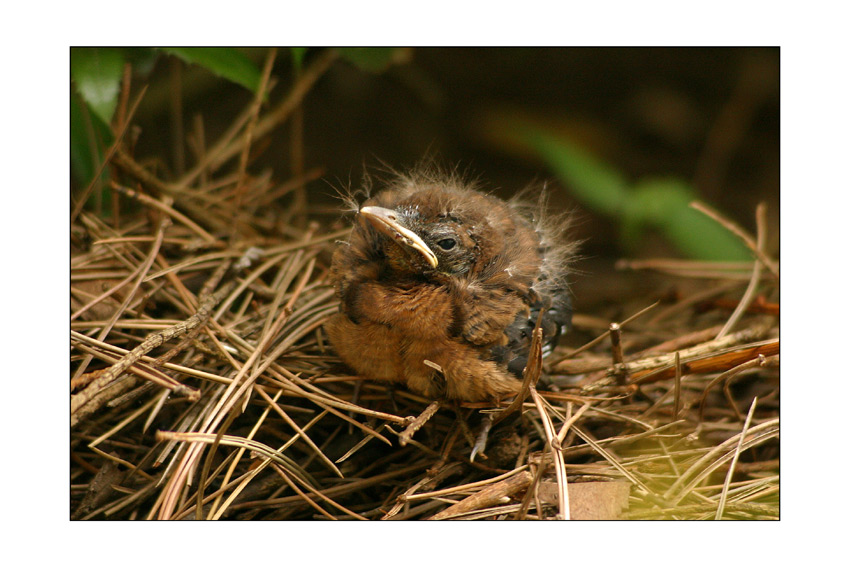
x=440, y=287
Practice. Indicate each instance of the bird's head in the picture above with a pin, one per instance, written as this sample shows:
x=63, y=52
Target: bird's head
x=446, y=230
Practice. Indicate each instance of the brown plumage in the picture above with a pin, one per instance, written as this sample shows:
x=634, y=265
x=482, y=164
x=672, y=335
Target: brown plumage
x=437, y=271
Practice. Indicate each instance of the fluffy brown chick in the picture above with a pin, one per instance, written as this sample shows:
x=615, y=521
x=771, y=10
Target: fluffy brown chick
x=437, y=271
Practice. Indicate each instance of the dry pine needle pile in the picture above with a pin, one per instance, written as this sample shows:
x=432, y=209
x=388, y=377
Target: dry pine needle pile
x=202, y=385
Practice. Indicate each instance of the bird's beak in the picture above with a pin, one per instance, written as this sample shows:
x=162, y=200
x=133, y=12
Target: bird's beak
x=386, y=222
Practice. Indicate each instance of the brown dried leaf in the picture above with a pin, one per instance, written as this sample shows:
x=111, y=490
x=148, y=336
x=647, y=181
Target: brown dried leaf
x=591, y=500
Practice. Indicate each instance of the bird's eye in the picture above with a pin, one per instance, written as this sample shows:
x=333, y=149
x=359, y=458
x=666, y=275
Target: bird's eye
x=446, y=243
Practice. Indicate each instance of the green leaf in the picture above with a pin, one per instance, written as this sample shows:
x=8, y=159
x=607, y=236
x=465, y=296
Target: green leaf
x=298, y=56
x=226, y=62
x=143, y=59
x=372, y=59
x=594, y=183
x=82, y=163
x=97, y=73
x=665, y=204
x=653, y=200
x=88, y=138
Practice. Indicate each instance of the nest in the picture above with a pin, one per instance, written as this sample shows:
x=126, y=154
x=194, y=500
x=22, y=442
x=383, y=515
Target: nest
x=203, y=386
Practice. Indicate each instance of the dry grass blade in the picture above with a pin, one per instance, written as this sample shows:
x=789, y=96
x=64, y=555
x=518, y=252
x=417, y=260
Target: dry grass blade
x=301, y=433
x=167, y=209
x=240, y=442
x=611, y=459
x=565, y=428
x=254, y=113
x=531, y=373
x=119, y=137
x=216, y=512
x=557, y=457
x=319, y=496
x=235, y=391
x=760, y=361
x=718, y=456
x=740, y=233
x=604, y=335
x=227, y=147
x=750, y=293
x=725, y=493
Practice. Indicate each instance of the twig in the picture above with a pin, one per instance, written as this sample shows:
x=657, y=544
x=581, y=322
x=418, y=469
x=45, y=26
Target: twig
x=489, y=496
x=622, y=373
x=647, y=371
x=640, y=366
x=530, y=493
x=143, y=371
x=414, y=426
x=151, y=342
x=140, y=274
x=430, y=478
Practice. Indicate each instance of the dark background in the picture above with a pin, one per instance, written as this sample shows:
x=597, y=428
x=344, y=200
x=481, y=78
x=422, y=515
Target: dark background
x=706, y=115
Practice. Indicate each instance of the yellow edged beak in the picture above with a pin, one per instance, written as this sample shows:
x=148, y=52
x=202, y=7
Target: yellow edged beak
x=386, y=222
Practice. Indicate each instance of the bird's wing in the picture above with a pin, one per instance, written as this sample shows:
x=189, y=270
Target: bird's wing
x=556, y=319
x=483, y=315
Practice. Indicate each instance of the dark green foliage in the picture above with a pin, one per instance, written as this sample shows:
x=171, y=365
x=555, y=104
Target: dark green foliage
x=660, y=204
